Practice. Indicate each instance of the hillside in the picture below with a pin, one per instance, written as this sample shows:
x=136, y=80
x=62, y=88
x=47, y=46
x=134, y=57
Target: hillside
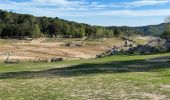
x=14, y=25
x=153, y=30
x=150, y=30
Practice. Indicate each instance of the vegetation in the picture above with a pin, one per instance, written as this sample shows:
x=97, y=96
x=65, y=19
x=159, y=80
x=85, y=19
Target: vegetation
x=114, y=77
x=14, y=25
x=124, y=30
x=151, y=30
x=166, y=33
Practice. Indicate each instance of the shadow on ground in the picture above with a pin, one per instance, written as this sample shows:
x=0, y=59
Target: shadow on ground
x=92, y=68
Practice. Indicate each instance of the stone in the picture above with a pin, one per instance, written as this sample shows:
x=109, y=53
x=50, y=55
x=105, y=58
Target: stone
x=74, y=44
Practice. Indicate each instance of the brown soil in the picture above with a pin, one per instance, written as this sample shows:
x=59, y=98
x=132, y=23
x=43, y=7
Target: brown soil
x=38, y=48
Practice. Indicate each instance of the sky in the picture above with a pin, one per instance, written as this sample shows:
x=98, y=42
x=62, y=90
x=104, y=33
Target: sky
x=95, y=12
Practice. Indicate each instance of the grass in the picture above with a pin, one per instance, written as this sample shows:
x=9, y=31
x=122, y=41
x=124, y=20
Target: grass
x=114, y=77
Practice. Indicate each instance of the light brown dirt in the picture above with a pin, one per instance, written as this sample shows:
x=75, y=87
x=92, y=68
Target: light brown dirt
x=48, y=48
x=38, y=48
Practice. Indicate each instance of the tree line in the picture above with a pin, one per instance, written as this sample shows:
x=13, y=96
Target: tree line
x=13, y=25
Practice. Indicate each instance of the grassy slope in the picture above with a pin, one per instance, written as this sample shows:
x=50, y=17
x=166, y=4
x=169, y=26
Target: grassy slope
x=114, y=77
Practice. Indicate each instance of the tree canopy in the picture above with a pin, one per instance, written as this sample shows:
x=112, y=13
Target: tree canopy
x=13, y=25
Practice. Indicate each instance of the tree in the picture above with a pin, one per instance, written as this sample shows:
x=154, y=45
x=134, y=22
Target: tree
x=35, y=31
x=108, y=33
x=166, y=33
x=52, y=29
x=82, y=32
x=117, y=32
x=72, y=30
x=99, y=32
x=23, y=25
x=66, y=29
x=1, y=28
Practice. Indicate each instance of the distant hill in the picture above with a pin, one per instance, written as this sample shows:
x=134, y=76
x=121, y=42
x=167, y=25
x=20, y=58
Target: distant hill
x=153, y=30
x=150, y=30
x=126, y=30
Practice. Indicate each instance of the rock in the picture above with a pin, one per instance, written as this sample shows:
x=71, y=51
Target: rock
x=74, y=44
x=48, y=60
x=167, y=44
x=129, y=44
x=99, y=56
x=154, y=46
x=56, y=59
x=115, y=50
x=131, y=50
x=12, y=61
x=84, y=38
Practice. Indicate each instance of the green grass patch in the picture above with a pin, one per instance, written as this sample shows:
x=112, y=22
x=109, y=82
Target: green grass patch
x=109, y=78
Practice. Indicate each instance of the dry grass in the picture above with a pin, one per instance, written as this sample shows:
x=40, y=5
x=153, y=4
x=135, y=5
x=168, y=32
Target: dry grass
x=38, y=48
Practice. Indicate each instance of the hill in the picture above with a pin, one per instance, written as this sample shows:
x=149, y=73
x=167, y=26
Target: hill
x=153, y=30
x=150, y=30
x=14, y=25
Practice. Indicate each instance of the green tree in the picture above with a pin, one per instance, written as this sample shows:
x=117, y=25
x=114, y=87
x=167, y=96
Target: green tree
x=1, y=28
x=72, y=30
x=117, y=32
x=35, y=31
x=108, y=33
x=82, y=32
x=166, y=33
x=99, y=32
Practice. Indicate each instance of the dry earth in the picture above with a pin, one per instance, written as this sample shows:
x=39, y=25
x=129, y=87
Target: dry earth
x=49, y=48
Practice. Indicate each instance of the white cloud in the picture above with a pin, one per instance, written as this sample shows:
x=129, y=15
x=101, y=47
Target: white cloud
x=140, y=3
x=138, y=13
x=60, y=2
x=80, y=9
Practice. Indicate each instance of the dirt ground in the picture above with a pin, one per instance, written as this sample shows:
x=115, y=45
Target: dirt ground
x=48, y=48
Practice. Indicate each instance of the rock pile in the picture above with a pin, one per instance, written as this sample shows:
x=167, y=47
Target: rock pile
x=157, y=45
x=129, y=44
x=74, y=44
x=12, y=61
x=154, y=46
x=48, y=60
x=118, y=49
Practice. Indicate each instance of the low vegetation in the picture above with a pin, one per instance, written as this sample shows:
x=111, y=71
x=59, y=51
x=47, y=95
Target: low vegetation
x=114, y=77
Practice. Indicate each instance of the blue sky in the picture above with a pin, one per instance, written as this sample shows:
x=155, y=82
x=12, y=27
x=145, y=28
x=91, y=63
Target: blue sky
x=95, y=12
